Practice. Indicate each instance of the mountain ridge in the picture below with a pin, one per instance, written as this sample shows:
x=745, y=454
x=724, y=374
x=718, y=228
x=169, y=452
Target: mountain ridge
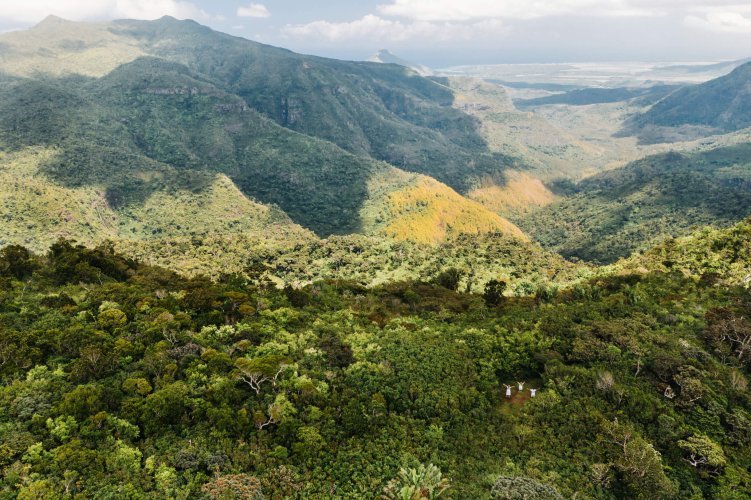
x=155, y=127
x=719, y=106
x=615, y=213
x=368, y=109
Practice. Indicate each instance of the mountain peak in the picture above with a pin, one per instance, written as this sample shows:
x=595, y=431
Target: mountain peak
x=51, y=21
x=385, y=56
x=171, y=20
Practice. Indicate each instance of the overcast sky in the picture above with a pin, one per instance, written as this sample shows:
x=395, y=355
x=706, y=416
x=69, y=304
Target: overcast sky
x=441, y=33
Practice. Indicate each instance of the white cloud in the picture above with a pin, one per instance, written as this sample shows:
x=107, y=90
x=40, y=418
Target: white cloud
x=254, y=10
x=32, y=11
x=484, y=24
x=442, y=20
x=464, y=10
x=723, y=21
x=375, y=28
x=153, y=9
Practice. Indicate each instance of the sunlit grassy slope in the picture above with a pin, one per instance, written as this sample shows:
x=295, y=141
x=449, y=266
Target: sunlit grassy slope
x=420, y=209
x=36, y=212
x=518, y=195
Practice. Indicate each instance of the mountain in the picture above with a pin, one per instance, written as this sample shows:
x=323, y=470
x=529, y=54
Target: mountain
x=618, y=212
x=384, y=56
x=303, y=133
x=368, y=109
x=719, y=106
x=58, y=47
x=152, y=124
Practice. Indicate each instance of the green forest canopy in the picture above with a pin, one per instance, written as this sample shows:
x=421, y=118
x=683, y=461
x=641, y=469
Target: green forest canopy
x=124, y=380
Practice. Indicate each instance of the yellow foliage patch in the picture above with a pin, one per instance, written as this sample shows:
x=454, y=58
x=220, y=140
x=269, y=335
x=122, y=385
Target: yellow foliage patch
x=520, y=193
x=430, y=212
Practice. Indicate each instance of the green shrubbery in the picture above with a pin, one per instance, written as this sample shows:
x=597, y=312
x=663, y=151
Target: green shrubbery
x=128, y=380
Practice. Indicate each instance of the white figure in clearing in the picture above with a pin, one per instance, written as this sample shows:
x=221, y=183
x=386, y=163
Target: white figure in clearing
x=533, y=391
x=521, y=386
x=508, y=390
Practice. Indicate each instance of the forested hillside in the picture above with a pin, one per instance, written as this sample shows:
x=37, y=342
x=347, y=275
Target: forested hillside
x=126, y=380
x=718, y=256
x=615, y=213
x=367, y=261
x=383, y=111
x=718, y=106
x=151, y=125
x=185, y=108
x=37, y=211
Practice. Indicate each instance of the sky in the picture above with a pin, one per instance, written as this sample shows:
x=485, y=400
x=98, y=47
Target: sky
x=442, y=33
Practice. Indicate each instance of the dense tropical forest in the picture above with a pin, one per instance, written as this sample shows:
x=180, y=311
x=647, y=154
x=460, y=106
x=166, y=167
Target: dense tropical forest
x=122, y=380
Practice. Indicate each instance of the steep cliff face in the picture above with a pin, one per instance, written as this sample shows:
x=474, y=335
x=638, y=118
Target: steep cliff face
x=292, y=111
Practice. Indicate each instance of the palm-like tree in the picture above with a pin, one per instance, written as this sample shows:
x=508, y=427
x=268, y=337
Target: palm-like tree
x=424, y=482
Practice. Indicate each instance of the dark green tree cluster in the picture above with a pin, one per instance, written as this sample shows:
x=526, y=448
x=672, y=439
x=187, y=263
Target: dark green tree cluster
x=121, y=380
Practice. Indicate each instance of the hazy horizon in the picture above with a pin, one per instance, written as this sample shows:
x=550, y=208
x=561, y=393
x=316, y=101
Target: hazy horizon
x=443, y=33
